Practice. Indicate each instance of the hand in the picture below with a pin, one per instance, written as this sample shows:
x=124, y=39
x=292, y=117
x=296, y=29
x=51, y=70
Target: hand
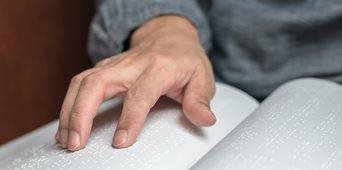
x=165, y=58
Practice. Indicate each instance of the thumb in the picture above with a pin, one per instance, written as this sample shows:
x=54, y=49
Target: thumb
x=196, y=101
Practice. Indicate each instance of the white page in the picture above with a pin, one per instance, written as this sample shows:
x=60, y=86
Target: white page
x=168, y=140
x=297, y=127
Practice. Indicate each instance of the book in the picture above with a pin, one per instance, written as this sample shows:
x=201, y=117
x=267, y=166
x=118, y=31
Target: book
x=299, y=126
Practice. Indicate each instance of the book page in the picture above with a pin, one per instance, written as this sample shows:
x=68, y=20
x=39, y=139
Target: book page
x=167, y=141
x=298, y=127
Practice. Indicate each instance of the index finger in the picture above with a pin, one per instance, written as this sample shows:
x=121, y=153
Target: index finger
x=89, y=97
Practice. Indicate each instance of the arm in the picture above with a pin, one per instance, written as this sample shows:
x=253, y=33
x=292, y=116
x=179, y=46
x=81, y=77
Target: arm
x=165, y=58
x=115, y=20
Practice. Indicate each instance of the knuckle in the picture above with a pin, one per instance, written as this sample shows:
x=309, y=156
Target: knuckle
x=131, y=121
x=199, y=98
x=79, y=77
x=200, y=63
x=76, y=79
x=100, y=63
x=115, y=72
x=63, y=124
x=213, y=91
x=103, y=62
x=122, y=80
x=134, y=93
x=161, y=61
x=93, y=80
x=210, y=86
x=63, y=116
x=76, y=115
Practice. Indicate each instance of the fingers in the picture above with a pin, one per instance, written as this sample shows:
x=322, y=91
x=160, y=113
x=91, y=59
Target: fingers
x=143, y=94
x=110, y=77
x=62, y=132
x=90, y=95
x=196, y=101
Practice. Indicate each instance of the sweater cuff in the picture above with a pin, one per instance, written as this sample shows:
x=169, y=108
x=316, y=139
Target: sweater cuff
x=115, y=20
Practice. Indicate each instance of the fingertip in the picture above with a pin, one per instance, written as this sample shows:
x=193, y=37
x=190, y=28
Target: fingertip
x=211, y=120
x=121, y=139
x=126, y=145
x=73, y=141
x=199, y=115
x=207, y=119
x=57, y=135
x=63, y=138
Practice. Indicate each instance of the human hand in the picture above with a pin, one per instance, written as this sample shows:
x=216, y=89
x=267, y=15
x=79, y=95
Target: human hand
x=165, y=58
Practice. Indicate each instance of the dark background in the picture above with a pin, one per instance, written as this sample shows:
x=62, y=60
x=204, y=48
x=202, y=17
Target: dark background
x=42, y=45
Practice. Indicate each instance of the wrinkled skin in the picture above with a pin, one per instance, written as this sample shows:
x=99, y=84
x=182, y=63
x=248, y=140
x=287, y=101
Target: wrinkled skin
x=165, y=58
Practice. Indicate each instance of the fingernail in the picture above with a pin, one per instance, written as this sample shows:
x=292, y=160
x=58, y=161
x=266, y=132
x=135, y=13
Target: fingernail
x=74, y=141
x=210, y=119
x=63, y=138
x=213, y=117
x=120, y=138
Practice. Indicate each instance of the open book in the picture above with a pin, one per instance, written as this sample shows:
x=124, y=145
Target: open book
x=299, y=126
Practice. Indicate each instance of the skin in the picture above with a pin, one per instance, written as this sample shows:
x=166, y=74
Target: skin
x=165, y=58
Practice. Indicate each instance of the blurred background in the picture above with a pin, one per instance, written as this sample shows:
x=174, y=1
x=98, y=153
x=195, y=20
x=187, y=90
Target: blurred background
x=43, y=44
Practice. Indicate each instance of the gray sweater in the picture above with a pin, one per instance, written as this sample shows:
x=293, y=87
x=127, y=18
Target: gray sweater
x=255, y=45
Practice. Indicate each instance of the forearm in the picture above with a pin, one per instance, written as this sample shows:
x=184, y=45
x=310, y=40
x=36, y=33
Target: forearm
x=115, y=20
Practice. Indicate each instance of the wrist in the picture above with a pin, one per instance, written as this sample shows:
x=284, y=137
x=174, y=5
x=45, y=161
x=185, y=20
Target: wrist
x=166, y=24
